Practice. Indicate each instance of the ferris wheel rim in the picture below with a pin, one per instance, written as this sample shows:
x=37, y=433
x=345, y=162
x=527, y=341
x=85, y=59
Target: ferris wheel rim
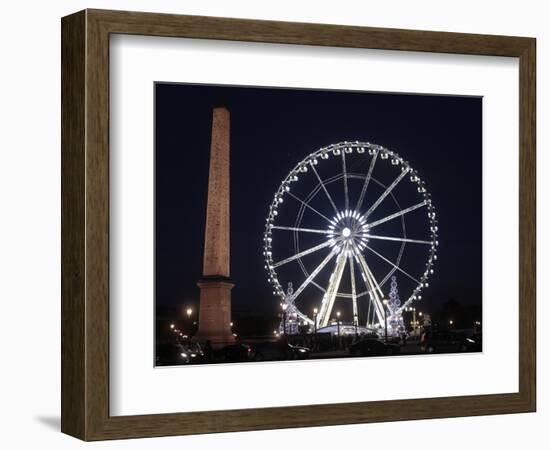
x=360, y=147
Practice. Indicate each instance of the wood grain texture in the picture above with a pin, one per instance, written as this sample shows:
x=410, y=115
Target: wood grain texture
x=73, y=111
x=85, y=224
x=527, y=224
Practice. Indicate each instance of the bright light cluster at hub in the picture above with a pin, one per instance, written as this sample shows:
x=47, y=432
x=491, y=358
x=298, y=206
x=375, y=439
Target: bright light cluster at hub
x=346, y=235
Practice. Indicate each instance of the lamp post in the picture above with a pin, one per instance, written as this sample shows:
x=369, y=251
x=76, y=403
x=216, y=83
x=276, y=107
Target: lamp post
x=385, y=302
x=189, y=313
x=450, y=324
x=315, y=312
x=414, y=321
x=477, y=326
x=338, y=325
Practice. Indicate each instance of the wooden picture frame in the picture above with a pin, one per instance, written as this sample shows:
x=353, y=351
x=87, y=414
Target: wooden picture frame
x=85, y=224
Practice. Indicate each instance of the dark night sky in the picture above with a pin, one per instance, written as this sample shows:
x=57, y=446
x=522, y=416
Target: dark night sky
x=273, y=129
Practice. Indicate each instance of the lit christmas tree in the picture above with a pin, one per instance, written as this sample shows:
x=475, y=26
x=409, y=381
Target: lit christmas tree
x=289, y=318
x=396, y=325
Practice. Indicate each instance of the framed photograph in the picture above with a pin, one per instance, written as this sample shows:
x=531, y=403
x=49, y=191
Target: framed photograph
x=271, y=225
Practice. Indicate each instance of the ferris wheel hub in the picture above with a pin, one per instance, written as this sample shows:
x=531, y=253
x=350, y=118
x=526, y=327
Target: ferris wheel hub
x=349, y=229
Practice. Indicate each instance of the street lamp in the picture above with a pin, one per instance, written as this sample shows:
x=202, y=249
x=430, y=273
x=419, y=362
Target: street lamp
x=189, y=313
x=172, y=326
x=414, y=321
x=450, y=323
x=477, y=326
x=338, y=326
x=315, y=313
x=385, y=321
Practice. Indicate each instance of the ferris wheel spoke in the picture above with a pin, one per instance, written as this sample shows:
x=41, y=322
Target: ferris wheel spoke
x=375, y=292
x=373, y=285
x=303, y=230
x=332, y=290
x=324, y=189
x=353, y=290
x=386, y=193
x=392, y=264
x=368, y=314
x=313, y=274
x=344, y=172
x=366, y=183
x=397, y=214
x=308, y=206
x=398, y=239
x=303, y=253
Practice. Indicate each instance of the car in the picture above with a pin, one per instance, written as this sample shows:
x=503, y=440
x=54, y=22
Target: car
x=299, y=352
x=235, y=353
x=178, y=354
x=192, y=351
x=441, y=342
x=279, y=350
x=373, y=347
x=472, y=343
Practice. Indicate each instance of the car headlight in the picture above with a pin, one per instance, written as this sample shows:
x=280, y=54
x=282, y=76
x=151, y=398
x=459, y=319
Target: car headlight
x=193, y=355
x=184, y=355
x=471, y=340
x=303, y=350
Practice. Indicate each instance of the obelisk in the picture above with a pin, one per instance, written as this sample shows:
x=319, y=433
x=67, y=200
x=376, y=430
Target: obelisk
x=215, y=284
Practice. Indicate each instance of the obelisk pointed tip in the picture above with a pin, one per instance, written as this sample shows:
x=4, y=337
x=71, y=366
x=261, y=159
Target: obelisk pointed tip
x=221, y=102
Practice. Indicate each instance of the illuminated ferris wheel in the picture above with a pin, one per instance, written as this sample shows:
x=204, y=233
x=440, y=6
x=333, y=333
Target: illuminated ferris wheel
x=347, y=219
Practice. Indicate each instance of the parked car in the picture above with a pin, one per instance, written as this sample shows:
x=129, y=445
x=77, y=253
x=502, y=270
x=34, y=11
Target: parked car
x=178, y=354
x=235, y=353
x=373, y=347
x=472, y=343
x=299, y=352
x=279, y=350
x=441, y=342
x=193, y=352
